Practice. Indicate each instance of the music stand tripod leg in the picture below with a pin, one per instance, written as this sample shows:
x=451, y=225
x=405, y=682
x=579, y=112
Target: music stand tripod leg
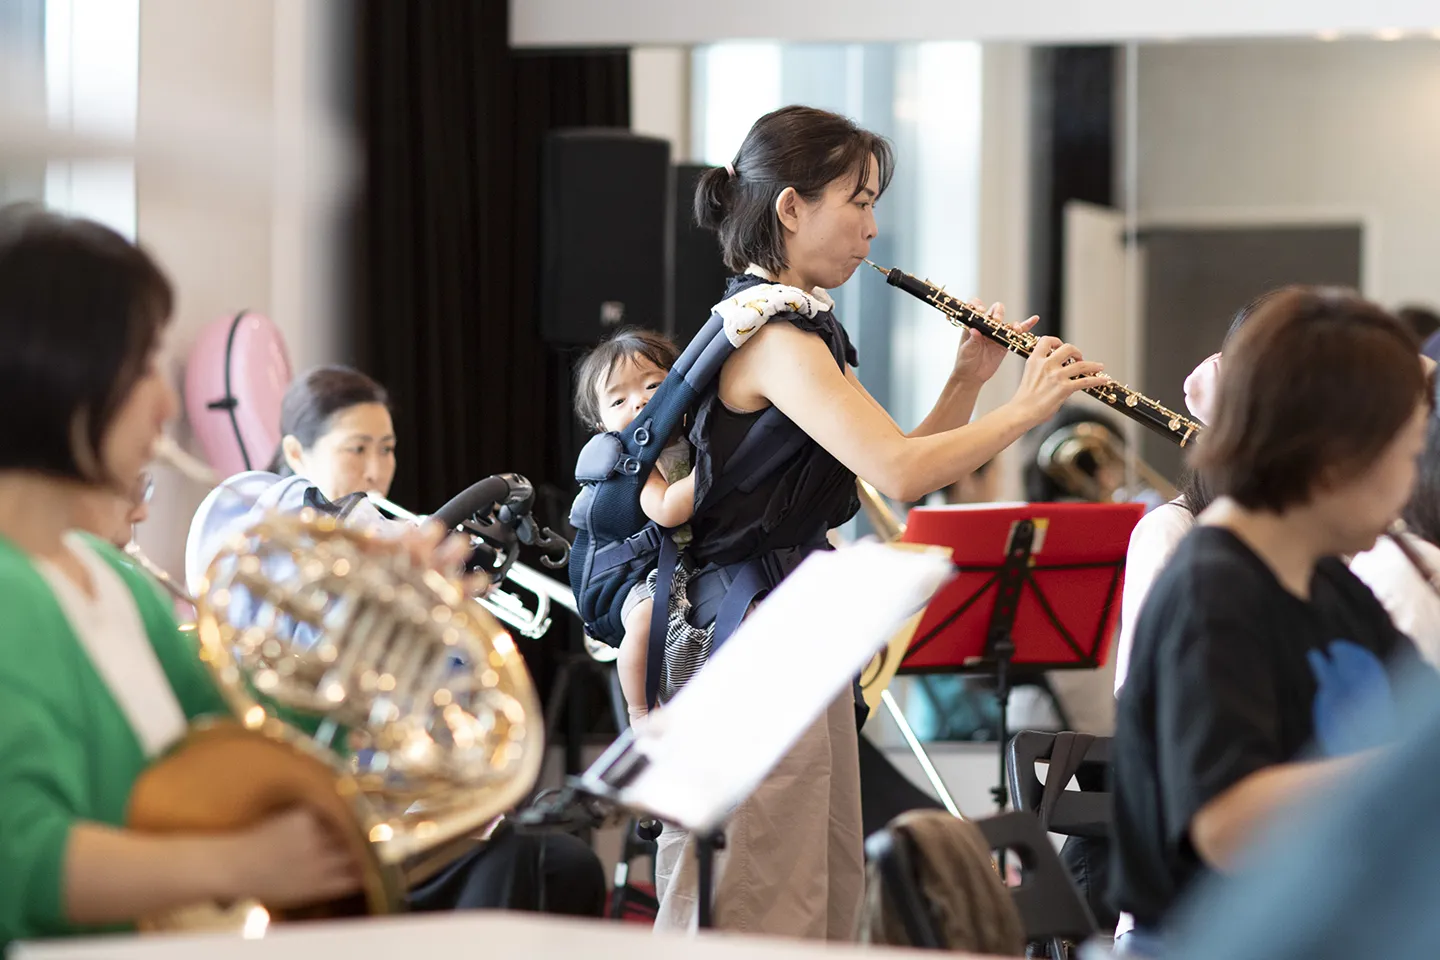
x=705, y=846
x=1004, y=650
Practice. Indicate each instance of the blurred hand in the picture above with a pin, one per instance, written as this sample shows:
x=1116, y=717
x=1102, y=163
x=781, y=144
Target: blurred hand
x=292, y=859
x=1054, y=373
x=979, y=357
x=430, y=546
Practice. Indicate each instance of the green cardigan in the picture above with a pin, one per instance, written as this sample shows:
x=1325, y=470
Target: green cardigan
x=67, y=752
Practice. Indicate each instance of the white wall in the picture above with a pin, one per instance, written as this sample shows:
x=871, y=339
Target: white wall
x=660, y=97
x=1300, y=132
x=1004, y=216
x=236, y=172
x=623, y=22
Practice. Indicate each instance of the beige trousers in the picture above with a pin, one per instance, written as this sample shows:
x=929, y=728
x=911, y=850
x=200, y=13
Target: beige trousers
x=793, y=863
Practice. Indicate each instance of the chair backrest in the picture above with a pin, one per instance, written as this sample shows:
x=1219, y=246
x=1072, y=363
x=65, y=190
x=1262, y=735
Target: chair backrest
x=1080, y=813
x=1050, y=906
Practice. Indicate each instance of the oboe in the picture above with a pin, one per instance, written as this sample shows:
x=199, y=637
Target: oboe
x=1132, y=403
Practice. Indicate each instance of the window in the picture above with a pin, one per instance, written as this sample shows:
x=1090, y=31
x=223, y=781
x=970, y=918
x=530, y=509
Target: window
x=73, y=66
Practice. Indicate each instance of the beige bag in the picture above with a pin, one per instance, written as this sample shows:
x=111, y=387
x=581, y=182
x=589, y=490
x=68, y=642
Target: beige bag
x=969, y=906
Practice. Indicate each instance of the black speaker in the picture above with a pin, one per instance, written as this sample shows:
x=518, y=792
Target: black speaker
x=605, y=211
x=700, y=271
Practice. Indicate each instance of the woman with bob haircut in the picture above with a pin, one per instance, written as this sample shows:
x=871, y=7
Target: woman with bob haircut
x=96, y=680
x=1262, y=667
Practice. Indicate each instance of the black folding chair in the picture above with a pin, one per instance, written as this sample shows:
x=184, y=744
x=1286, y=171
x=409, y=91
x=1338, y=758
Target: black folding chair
x=1085, y=812
x=1050, y=907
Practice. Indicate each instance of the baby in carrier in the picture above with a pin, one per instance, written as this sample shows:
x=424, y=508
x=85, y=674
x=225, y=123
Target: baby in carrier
x=614, y=382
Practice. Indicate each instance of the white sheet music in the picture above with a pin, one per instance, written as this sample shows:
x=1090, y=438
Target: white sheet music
x=712, y=745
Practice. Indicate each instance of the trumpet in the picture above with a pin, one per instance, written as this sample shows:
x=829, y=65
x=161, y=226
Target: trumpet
x=530, y=618
x=360, y=685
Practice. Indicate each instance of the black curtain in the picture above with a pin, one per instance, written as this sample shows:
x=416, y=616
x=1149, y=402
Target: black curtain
x=446, y=265
x=447, y=247
x=1073, y=121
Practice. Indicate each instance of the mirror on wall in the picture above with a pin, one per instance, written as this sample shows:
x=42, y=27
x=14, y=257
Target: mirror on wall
x=1262, y=163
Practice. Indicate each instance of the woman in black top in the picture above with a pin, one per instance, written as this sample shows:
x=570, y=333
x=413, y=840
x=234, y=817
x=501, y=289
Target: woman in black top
x=1261, y=668
x=796, y=207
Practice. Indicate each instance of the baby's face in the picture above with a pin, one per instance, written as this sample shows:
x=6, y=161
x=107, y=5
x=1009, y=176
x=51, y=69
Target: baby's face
x=624, y=393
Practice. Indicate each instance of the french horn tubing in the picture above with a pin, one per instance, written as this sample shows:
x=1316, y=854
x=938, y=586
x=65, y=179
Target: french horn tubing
x=365, y=687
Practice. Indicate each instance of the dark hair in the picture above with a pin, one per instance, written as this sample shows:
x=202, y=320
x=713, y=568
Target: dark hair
x=1422, y=321
x=81, y=311
x=1422, y=514
x=1315, y=386
x=1192, y=487
x=799, y=147
x=626, y=344
x=313, y=400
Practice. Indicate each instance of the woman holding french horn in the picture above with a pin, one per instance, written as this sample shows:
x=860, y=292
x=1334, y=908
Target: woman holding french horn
x=96, y=682
x=96, y=679
x=338, y=444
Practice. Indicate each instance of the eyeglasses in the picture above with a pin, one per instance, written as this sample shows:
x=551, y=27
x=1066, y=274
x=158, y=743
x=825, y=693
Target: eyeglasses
x=144, y=488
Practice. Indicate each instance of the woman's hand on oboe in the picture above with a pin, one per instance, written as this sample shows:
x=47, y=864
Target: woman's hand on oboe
x=1055, y=372
x=979, y=357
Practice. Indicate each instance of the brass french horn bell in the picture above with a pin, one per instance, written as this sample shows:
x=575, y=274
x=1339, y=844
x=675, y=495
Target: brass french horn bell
x=373, y=691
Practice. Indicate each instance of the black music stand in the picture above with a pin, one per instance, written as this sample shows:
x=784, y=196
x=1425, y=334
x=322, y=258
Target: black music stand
x=1054, y=572
x=595, y=799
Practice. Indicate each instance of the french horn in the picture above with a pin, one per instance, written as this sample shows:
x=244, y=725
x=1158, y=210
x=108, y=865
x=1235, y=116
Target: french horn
x=363, y=686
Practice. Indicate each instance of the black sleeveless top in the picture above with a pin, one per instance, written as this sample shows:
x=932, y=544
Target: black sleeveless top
x=798, y=502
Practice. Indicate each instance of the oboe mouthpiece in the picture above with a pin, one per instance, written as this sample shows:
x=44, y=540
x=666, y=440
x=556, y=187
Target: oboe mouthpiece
x=876, y=265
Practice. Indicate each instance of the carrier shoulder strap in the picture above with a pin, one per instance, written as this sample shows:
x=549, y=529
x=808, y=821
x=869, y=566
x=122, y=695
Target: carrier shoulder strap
x=769, y=442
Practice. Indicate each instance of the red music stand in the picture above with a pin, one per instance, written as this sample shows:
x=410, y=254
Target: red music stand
x=1037, y=588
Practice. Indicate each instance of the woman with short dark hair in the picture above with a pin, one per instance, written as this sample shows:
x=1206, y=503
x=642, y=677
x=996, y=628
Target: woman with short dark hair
x=95, y=679
x=335, y=429
x=1260, y=671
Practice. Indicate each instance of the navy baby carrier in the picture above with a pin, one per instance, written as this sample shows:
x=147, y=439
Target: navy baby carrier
x=616, y=545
